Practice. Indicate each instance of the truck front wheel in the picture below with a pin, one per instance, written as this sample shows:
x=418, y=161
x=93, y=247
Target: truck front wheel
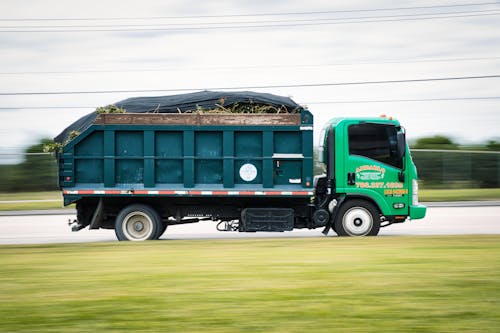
x=357, y=218
x=138, y=223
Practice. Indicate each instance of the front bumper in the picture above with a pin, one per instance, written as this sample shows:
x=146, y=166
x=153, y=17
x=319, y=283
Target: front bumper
x=417, y=212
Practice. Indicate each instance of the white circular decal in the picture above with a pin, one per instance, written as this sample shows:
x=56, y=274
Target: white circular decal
x=248, y=172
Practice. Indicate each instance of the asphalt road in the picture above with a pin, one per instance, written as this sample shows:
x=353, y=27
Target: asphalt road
x=39, y=229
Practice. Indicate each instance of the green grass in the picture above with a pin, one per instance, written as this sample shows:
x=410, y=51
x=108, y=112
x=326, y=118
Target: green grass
x=460, y=194
x=52, y=195
x=31, y=205
x=384, y=284
x=55, y=203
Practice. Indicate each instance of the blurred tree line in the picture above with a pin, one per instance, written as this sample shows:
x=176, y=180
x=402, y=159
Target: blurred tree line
x=35, y=173
x=453, y=166
x=442, y=164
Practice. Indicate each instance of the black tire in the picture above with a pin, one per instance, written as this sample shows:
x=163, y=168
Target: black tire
x=138, y=222
x=357, y=218
x=334, y=228
x=162, y=230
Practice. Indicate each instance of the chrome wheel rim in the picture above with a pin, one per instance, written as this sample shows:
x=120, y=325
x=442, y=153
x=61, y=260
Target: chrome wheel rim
x=137, y=226
x=357, y=221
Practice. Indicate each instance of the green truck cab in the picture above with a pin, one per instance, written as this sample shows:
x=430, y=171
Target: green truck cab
x=370, y=170
x=139, y=173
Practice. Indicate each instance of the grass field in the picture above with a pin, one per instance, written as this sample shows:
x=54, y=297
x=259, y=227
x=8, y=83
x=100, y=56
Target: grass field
x=47, y=195
x=10, y=201
x=384, y=284
x=55, y=198
x=477, y=194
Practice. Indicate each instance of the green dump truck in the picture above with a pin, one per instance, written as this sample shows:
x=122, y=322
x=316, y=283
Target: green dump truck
x=149, y=168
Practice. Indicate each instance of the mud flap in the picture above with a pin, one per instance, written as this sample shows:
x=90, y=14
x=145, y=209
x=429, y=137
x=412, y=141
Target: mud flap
x=333, y=216
x=95, y=223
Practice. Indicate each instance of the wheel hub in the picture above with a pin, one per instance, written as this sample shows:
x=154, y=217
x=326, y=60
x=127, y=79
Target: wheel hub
x=358, y=222
x=138, y=226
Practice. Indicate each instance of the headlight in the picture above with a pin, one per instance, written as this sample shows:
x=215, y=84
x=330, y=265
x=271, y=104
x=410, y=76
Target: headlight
x=414, y=191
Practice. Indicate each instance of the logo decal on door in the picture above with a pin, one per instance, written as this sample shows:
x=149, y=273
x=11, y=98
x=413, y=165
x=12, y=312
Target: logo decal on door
x=370, y=172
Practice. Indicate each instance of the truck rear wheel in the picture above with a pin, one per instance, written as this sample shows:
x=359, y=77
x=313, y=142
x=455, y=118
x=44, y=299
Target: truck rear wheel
x=357, y=218
x=138, y=223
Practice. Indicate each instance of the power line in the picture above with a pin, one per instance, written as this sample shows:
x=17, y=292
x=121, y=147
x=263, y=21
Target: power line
x=250, y=15
x=246, y=26
x=46, y=107
x=254, y=87
x=482, y=98
x=457, y=151
x=250, y=67
x=487, y=98
x=220, y=24
x=23, y=154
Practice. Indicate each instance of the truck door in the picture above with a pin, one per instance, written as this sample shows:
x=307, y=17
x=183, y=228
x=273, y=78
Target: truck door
x=375, y=166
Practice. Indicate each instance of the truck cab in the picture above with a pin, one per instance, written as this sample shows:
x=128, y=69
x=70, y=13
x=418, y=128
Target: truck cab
x=370, y=175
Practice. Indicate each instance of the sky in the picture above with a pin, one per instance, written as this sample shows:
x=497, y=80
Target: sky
x=305, y=50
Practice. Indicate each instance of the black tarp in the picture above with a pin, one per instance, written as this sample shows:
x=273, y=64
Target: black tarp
x=186, y=103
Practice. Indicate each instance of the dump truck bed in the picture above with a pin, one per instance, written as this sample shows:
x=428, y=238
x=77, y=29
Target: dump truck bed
x=190, y=155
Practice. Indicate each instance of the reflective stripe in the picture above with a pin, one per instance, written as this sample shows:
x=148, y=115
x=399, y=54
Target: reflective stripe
x=192, y=192
x=302, y=193
x=181, y=192
x=113, y=192
x=140, y=192
x=165, y=192
x=70, y=192
x=220, y=192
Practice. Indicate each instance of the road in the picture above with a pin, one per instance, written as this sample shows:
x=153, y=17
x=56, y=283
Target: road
x=39, y=229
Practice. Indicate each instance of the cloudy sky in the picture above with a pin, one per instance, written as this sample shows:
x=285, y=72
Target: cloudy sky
x=303, y=49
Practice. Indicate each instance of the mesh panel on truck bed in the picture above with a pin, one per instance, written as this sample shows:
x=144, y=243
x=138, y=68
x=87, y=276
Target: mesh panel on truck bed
x=187, y=103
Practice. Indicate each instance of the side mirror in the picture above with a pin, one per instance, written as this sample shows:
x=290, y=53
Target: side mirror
x=401, y=144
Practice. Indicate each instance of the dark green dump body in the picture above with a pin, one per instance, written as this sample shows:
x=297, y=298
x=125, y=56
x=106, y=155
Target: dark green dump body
x=190, y=154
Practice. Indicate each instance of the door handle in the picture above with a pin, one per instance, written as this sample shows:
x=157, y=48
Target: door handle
x=351, y=178
x=278, y=171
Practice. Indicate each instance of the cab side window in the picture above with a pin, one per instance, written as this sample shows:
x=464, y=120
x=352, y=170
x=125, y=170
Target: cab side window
x=375, y=141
